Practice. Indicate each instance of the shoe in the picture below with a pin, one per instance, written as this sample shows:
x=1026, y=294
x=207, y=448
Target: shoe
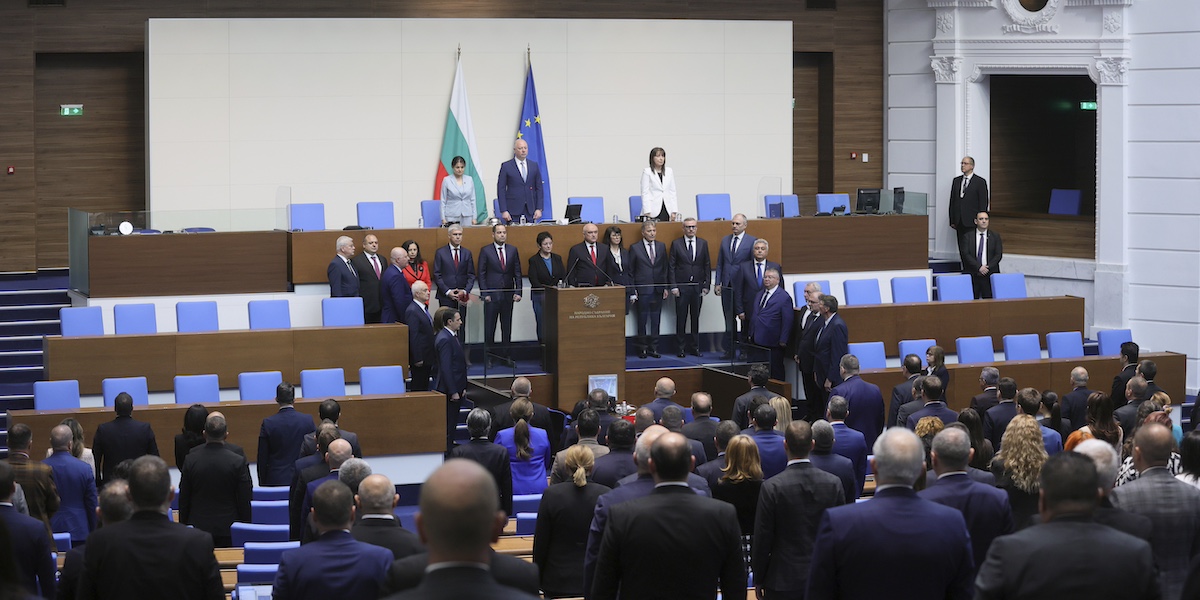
x=696, y=352
x=641, y=354
x=654, y=353
x=682, y=354
x=727, y=356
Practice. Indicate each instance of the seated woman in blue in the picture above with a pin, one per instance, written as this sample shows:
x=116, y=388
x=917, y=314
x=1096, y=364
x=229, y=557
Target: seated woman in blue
x=528, y=449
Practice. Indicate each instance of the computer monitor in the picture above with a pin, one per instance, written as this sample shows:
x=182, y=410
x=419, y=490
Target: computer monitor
x=868, y=201
x=898, y=200
x=574, y=213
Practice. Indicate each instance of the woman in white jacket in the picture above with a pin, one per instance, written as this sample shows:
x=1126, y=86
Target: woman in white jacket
x=659, y=200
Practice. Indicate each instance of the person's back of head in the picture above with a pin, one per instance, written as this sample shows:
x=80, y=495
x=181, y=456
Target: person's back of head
x=1152, y=446
x=353, y=472
x=330, y=409
x=951, y=450
x=798, y=439
x=849, y=365
x=1069, y=484
x=839, y=407
x=671, y=457
x=1105, y=458
x=20, y=436
x=459, y=513
x=326, y=433
x=990, y=376
x=479, y=422
x=664, y=387
x=285, y=393
x=621, y=435
x=339, y=452
x=643, y=418
x=899, y=457
x=580, y=461
x=822, y=434
x=332, y=506
x=725, y=431
x=600, y=401
x=641, y=452
x=1148, y=369
x=1136, y=389
x=912, y=364
x=765, y=417
x=931, y=389
x=1008, y=388
x=588, y=423
x=215, y=427
x=114, y=502
x=150, y=483
x=1079, y=377
x=123, y=404
x=701, y=405
x=61, y=438
x=376, y=495
x=1129, y=353
x=521, y=412
x=1030, y=401
x=521, y=388
x=760, y=374
x=193, y=419
x=672, y=418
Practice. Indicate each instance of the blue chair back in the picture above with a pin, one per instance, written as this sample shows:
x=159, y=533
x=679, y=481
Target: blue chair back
x=196, y=316
x=909, y=289
x=255, y=532
x=376, y=215
x=1008, y=285
x=917, y=347
x=306, y=217
x=269, y=512
x=860, y=292
x=431, y=213
x=135, y=386
x=62, y=541
x=1064, y=344
x=1022, y=347
x=269, y=314
x=266, y=553
x=526, y=502
x=258, y=385
x=342, y=312
x=592, y=208
x=955, y=288
x=827, y=202
x=381, y=380
x=55, y=395
x=318, y=383
x=276, y=492
x=789, y=203
x=198, y=230
x=1065, y=202
x=134, y=319
x=975, y=349
x=249, y=574
x=526, y=523
x=710, y=207
x=870, y=355
x=635, y=207
x=192, y=389
x=1111, y=340
x=81, y=320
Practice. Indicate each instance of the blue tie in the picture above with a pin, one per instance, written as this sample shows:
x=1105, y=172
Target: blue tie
x=759, y=267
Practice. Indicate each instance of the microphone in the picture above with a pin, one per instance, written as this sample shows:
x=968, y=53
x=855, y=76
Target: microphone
x=570, y=271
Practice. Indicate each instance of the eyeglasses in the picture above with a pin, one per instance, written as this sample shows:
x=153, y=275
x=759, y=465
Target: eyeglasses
x=689, y=226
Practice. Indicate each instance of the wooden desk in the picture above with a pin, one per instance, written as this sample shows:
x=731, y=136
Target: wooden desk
x=1046, y=374
x=160, y=357
x=409, y=423
x=855, y=243
x=947, y=321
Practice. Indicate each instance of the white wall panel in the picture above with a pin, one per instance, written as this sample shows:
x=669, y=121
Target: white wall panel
x=911, y=123
x=1174, y=123
x=908, y=58
x=313, y=36
x=910, y=156
x=1150, y=86
x=188, y=76
x=1164, y=232
x=911, y=91
x=1164, y=159
x=1166, y=302
x=1164, y=267
x=1149, y=195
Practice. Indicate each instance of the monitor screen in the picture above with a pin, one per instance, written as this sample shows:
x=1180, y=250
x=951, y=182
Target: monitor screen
x=898, y=200
x=868, y=201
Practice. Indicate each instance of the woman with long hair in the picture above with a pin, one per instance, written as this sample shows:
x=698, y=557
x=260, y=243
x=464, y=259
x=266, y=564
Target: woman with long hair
x=528, y=450
x=564, y=518
x=982, y=446
x=192, y=434
x=1153, y=414
x=619, y=269
x=935, y=356
x=1100, y=424
x=659, y=200
x=1018, y=465
x=1189, y=452
x=79, y=448
x=1050, y=414
x=418, y=268
x=740, y=483
x=783, y=413
x=1165, y=401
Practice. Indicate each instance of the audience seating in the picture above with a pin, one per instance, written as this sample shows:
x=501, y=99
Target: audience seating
x=827, y=202
x=526, y=503
x=526, y=523
x=196, y=316
x=431, y=213
x=917, y=347
x=258, y=385
x=870, y=355
x=635, y=208
x=81, y=321
x=955, y=288
x=306, y=217
x=713, y=207
x=254, y=532
x=860, y=292
x=975, y=349
x=318, y=383
x=269, y=314
x=592, y=208
x=55, y=395
x=1065, y=202
x=134, y=319
x=62, y=541
x=251, y=574
x=1022, y=347
x=1064, y=344
x=342, y=312
x=269, y=512
x=909, y=289
x=135, y=386
x=790, y=204
x=1008, y=285
x=278, y=492
x=197, y=389
x=376, y=215
x=381, y=380
x=1111, y=340
x=266, y=553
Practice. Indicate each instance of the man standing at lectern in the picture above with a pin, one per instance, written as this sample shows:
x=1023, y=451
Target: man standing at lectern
x=968, y=196
x=587, y=262
x=981, y=254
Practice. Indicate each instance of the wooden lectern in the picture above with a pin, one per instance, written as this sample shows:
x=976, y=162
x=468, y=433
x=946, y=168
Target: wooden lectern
x=584, y=331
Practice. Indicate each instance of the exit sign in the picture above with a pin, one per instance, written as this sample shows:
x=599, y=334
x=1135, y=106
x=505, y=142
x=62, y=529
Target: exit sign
x=1087, y=106
x=70, y=110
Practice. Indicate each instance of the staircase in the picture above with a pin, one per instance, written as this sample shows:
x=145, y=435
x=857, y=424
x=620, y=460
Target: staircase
x=29, y=305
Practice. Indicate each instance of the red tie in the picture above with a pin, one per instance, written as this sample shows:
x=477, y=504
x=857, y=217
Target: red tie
x=592, y=250
x=503, y=267
x=375, y=263
x=456, y=259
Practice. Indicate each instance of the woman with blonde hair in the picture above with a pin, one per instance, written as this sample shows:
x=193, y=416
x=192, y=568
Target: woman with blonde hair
x=1165, y=401
x=528, y=450
x=1018, y=465
x=740, y=483
x=783, y=413
x=564, y=518
x=78, y=448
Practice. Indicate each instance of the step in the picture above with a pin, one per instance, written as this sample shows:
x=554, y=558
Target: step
x=46, y=279
x=22, y=328
x=21, y=374
x=30, y=312
x=20, y=342
x=21, y=358
x=16, y=402
x=25, y=297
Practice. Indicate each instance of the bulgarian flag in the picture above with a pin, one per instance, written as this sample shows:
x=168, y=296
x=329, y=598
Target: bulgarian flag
x=459, y=140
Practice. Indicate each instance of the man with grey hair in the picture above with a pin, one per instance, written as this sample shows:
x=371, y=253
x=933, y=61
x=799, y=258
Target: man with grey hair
x=115, y=506
x=421, y=336
x=905, y=538
x=454, y=275
x=76, y=483
x=867, y=412
x=492, y=457
x=214, y=486
x=847, y=441
x=918, y=399
x=502, y=419
x=376, y=524
x=824, y=458
x=1107, y=464
x=702, y=428
x=984, y=507
x=353, y=472
x=1135, y=395
x=1074, y=403
x=395, y=293
x=989, y=378
x=343, y=278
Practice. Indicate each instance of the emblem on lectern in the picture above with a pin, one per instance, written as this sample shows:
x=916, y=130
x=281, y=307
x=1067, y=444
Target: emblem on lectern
x=591, y=301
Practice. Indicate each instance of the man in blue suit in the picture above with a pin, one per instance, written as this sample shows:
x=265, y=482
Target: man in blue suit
x=76, y=483
x=454, y=274
x=735, y=249
x=749, y=281
x=770, y=318
x=824, y=458
x=932, y=408
x=499, y=284
x=847, y=441
x=335, y=565
x=30, y=551
x=832, y=343
x=650, y=279
x=912, y=548
x=280, y=438
x=770, y=442
x=519, y=188
x=343, y=279
x=420, y=338
x=394, y=292
x=864, y=399
x=451, y=377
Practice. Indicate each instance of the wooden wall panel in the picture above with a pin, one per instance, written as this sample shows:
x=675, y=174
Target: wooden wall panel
x=16, y=140
x=858, y=95
x=805, y=128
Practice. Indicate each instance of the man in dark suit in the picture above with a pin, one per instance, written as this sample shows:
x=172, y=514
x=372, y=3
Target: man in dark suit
x=280, y=437
x=599, y=401
x=932, y=408
x=804, y=349
x=1135, y=395
x=902, y=392
x=519, y=187
x=1129, y=360
x=981, y=251
x=329, y=411
x=509, y=571
x=735, y=249
x=307, y=470
x=651, y=529
x=587, y=262
x=989, y=381
x=30, y=549
x=847, y=441
x=618, y=463
x=770, y=318
x=690, y=273
x=651, y=280
x=335, y=457
x=395, y=294
x=824, y=458
x=343, y=277
x=832, y=343
x=454, y=272
x=35, y=478
x=370, y=267
x=789, y=507
x=984, y=507
x=749, y=282
x=458, y=521
x=664, y=390
x=1107, y=462
x=968, y=196
x=918, y=395
x=499, y=284
x=702, y=428
x=769, y=442
x=672, y=419
x=906, y=539
x=712, y=470
x=493, y=457
x=587, y=426
x=420, y=338
x=148, y=556
x=335, y=564
x=115, y=507
x=121, y=439
x=502, y=416
x=1171, y=504
x=864, y=399
x=1074, y=403
x=214, y=485
x=996, y=419
x=1090, y=561
x=377, y=525
x=451, y=366
x=1149, y=370
x=757, y=377
x=76, y=485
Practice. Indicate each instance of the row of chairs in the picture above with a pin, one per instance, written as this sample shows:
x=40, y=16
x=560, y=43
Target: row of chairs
x=951, y=288
x=192, y=389
x=979, y=349
x=190, y=317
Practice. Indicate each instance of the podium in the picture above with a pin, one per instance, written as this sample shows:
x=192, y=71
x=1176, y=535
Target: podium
x=584, y=332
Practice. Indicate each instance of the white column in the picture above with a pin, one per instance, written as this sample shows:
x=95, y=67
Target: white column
x=1112, y=263
x=950, y=144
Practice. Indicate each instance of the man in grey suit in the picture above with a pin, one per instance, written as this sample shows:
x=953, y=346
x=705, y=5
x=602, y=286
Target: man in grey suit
x=789, y=507
x=1172, y=505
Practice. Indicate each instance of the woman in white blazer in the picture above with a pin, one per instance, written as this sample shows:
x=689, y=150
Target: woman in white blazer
x=458, y=195
x=659, y=200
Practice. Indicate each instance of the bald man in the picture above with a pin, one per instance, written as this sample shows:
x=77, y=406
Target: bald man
x=377, y=524
x=664, y=390
x=214, y=485
x=394, y=292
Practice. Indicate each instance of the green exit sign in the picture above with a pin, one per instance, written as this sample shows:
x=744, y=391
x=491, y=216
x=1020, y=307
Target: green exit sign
x=70, y=110
x=1087, y=106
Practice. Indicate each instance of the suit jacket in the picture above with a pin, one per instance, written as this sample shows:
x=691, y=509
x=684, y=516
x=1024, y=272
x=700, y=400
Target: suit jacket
x=119, y=439
x=368, y=281
x=1174, y=508
x=908, y=410
x=964, y=206
x=496, y=282
x=37, y=481
x=985, y=400
x=621, y=272
x=581, y=271
x=559, y=473
x=519, y=196
x=529, y=475
x=540, y=278
x=387, y=533
x=932, y=409
x=613, y=467
x=343, y=282
x=420, y=335
x=76, y=483
x=901, y=395
x=447, y=276
x=657, y=193
x=652, y=529
x=991, y=256
x=771, y=325
x=851, y=443
x=68, y=576
x=214, y=489
x=996, y=419
x=789, y=507
x=650, y=278
x=936, y=548
x=495, y=459
x=1120, y=381
x=451, y=364
x=308, y=470
x=803, y=345
x=1126, y=416
x=832, y=343
x=509, y=578
x=30, y=551
x=502, y=418
x=309, y=446
x=741, y=405
x=279, y=441
x=395, y=295
x=728, y=262
x=184, y=443
x=866, y=406
x=703, y=430
x=839, y=466
x=984, y=507
x=1073, y=405
x=564, y=515
x=747, y=287
x=148, y=556
x=976, y=475
x=334, y=566
x=712, y=471
x=1016, y=565
x=771, y=451
x=685, y=271
x=658, y=404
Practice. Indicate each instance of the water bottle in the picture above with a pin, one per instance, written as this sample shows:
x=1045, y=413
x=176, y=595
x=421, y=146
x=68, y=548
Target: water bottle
x=523, y=220
x=420, y=223
x=614, y=218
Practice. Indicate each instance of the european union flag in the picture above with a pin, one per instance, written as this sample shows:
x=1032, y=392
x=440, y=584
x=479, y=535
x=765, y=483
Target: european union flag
x=530, y=130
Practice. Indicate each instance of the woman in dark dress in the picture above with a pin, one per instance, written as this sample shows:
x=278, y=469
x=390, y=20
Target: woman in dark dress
x=564, y=518
x=193, y=432
x=741, y=483
x=545, y=270
x=619, y=269
x=1018, y=465
x=982, y=446
x=935, y=357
